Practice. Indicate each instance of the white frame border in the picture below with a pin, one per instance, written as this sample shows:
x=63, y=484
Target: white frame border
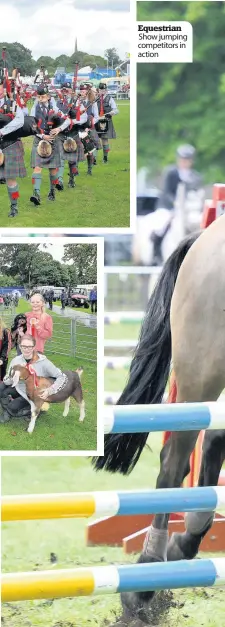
x=100, y=346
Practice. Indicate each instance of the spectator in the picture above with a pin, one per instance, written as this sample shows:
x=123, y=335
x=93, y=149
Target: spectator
x=50, y=298
x=39, y=323
x=93, y=299
x=14, y=400
x=63, y=299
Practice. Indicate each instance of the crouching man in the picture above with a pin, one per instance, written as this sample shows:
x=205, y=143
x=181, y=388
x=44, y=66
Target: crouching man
x=14, y=402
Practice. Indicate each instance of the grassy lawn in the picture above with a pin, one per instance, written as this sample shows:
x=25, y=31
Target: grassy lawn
x=52, y=431
x=27, y=546
x=100, y=200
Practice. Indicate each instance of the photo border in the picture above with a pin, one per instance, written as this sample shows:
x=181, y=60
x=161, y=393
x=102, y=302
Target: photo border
x=100, y=348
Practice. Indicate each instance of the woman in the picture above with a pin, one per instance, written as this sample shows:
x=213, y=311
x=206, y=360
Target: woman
x=13, y=399
x=42, y=111
x=39, y=323
x=4, y=348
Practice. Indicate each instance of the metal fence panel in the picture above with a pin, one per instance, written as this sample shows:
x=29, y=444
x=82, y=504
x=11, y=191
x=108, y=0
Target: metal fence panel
x=73, y=338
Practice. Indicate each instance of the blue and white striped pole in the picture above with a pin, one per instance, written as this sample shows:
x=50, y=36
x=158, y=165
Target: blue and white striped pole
x=113, y=579
x=111, y=503
x=164, y=417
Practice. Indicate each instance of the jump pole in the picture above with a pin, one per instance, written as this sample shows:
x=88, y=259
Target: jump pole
x=78, y=582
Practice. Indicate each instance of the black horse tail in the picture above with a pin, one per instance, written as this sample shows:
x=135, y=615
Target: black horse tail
x=150, y=366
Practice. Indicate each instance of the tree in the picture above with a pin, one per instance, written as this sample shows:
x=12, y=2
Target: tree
x=112, y=57
x=18, y=259
x=8, y=281
x=17, y=56
x=84, y=257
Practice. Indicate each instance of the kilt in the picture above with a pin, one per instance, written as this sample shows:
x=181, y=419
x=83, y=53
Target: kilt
x=51, y=162
x=13, y=166
x=71, y=157
x=96, y=139
x=111, y=133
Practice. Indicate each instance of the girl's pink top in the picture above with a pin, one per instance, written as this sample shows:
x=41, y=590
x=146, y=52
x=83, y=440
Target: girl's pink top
x=41, y=332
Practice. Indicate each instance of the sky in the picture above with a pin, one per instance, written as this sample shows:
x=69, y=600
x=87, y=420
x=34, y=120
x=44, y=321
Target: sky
x=55, y=249
x=49, y=27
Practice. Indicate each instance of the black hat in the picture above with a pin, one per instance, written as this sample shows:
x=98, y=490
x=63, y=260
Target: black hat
x=42, y=90
x=83, y=86
x=66, y=86
x=102, y=86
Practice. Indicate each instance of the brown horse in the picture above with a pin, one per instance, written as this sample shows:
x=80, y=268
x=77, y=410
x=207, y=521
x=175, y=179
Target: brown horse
x=185, y=322
x=36, y=385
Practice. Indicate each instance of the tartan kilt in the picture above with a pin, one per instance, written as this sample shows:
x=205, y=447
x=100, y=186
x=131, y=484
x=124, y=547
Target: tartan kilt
x=13, y=166
x=111, y=133
x=71, y=157
x=51, y=162
x=96, y=139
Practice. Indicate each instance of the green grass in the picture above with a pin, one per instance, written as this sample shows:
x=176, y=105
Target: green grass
x=102, y=200
x=27, y=546
x=119, y=331
x=52, y=431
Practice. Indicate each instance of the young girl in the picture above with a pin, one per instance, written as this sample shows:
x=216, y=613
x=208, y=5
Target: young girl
x=4, y=346
x=39, y=323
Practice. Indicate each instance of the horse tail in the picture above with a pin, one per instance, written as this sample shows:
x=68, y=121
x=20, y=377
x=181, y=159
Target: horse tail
x=150, y=366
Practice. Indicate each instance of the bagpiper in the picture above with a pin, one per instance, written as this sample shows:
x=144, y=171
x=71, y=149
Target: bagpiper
x=11, y=148
x=46, y=145
x=70, y=143
x=104, y=127
x=89, y=98
x=86, y=117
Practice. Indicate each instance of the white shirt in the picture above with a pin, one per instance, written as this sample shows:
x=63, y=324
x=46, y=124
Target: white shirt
x=16, y=123
x=112, y=104
x=53, y=105
x=40, y=75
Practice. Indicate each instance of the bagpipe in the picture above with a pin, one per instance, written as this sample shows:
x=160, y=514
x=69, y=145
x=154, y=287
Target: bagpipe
x=102, y=126
x=29, y=127
x=54, y=120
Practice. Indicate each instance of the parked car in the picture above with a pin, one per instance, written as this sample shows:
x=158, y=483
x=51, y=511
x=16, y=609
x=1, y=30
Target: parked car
x=79, y=298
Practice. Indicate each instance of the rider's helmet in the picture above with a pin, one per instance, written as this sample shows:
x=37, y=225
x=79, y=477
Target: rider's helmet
x=186, y=151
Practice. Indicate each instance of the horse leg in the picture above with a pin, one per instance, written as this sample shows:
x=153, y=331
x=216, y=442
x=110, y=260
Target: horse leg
x=186, y=545
x=174, y=467
x=66, y=407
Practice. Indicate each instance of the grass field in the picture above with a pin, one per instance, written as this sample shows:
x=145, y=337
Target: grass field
x=115, y=379
x=52, y=431
x=28, y=545
x=100, y=200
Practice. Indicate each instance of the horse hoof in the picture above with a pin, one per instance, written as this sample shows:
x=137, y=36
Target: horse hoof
x=136, y=605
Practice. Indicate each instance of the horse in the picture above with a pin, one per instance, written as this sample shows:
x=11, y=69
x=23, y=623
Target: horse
x=185, y=219
x=36, y=385
x=185, y=324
